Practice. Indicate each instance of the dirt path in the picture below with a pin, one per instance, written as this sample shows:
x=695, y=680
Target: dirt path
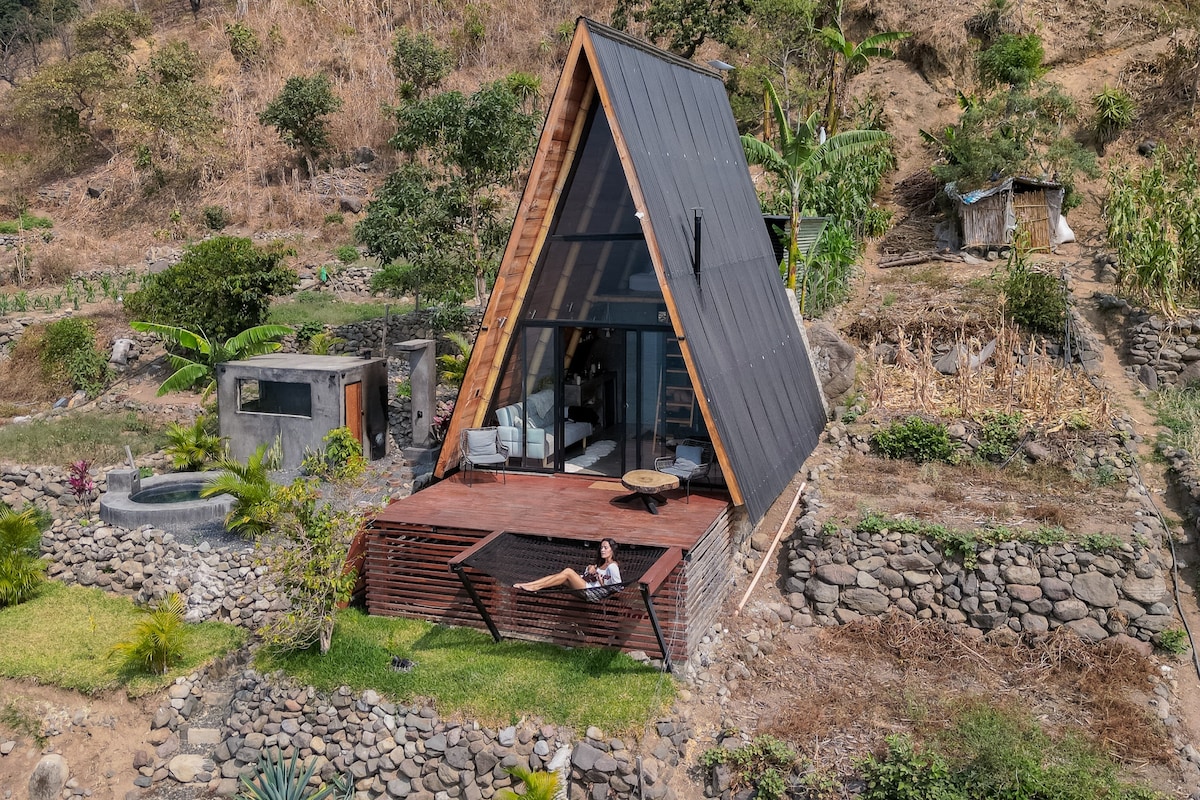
x=98, y=736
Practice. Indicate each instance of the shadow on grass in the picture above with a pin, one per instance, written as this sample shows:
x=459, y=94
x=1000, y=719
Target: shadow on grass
x=463, y=670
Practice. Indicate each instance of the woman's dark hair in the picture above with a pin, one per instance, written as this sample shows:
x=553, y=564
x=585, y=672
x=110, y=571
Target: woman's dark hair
x=612, y=544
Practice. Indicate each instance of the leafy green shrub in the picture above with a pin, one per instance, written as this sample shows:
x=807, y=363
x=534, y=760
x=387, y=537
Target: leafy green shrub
x=341, y=458
x=335, y=218
x=191, y=447
x=21, y=567
x=347, y=254
x=1033, y=298
x=157, y=642
x=275, y=780
x=69, y=353
x=999, y=434
x=453, y=366
x=243, y=43
x=1099, y=542
x=1174, y=641
x=215, y=217
x=306, y=557
x=916, y=439
x=1113, y=112
x=1013, y=60
x=906, y=773
x=220, y=287
x=764, y=763
x=307, y=331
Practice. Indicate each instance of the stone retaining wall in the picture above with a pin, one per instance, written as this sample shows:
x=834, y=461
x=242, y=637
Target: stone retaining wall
x=1162, y=352
x=389, y=750
x=835, y=575
x=367, y=335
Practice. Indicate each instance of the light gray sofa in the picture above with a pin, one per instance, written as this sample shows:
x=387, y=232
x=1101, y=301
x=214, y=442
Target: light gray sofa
x=536, y=416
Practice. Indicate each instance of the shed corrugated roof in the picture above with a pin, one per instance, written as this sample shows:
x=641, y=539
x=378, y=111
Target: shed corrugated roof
x=674, y=118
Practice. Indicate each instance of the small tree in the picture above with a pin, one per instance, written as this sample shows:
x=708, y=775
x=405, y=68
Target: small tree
x=415, y=227
x=307, y=558
x=298, y=114
x=683, y=25
x=803, y=152
x=221, y=286
x=470, y=146
x=418, y=63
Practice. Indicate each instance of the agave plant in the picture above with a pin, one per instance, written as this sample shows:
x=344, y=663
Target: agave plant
x=21, y=567
x=192, y=446
x=276, y=779
x=251, y=488
x=156, y=643
x=537, y=785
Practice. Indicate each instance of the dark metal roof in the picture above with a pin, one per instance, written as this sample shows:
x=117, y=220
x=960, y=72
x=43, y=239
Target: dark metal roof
x=750, y=358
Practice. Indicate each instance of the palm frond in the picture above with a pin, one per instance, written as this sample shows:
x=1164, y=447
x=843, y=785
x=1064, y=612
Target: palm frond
x=762, y=154
x=781, y=120
x=185, y=378
x=176, y=335
x=256, y=336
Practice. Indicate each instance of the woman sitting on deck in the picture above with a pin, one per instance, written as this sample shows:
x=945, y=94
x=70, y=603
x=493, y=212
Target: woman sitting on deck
x=596, y=582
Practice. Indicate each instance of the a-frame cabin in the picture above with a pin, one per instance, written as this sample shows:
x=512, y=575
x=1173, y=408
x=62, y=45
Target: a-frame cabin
x=638, y=305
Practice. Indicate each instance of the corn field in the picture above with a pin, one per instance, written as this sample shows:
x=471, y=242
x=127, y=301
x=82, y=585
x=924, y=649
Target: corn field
x=1153, y=219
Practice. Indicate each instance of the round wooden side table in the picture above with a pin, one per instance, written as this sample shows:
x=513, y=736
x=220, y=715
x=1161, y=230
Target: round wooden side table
x=648, y=485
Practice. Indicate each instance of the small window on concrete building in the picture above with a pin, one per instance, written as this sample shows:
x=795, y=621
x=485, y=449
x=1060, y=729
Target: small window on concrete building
x=274, y=397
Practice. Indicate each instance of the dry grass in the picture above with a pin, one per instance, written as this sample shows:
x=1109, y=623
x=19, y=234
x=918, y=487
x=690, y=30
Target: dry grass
x=909, y=676
x=971, y=495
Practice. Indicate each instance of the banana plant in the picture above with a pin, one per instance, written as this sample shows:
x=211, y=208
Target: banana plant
x=802, y=153
x=200, y=369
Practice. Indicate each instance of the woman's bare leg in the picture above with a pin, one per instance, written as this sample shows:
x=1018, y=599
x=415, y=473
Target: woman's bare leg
x=568, y=576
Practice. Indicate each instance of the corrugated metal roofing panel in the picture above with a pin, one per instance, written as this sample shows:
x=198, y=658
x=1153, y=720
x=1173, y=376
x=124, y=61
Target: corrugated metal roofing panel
x=675, y=119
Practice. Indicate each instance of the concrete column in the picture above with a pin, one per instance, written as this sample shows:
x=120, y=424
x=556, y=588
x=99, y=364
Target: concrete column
x=422, y=367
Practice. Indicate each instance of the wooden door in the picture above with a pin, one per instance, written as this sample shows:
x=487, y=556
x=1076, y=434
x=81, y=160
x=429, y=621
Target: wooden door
x=1033, y=218
x=354, y=411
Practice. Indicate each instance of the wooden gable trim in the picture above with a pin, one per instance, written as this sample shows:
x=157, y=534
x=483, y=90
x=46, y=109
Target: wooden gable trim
x=551, y=166
x=639, y=201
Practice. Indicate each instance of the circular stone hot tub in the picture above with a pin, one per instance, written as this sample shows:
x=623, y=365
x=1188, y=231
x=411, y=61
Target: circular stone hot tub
x=161, y=501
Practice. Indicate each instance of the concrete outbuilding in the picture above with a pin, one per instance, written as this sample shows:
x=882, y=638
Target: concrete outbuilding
x=299, y=399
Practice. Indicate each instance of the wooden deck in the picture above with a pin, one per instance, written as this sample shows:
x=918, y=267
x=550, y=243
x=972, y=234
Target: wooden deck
x=410, y=544
x=564, y=506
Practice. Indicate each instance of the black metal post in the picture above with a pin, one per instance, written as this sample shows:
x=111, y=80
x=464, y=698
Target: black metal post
x=697, y=217
x=662, y=643
x=483, y=612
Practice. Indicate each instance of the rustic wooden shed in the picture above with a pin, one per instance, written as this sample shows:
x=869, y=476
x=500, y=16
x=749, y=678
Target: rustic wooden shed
x=995, y=216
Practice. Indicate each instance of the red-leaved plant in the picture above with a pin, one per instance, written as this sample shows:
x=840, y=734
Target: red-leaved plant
x=81, y=483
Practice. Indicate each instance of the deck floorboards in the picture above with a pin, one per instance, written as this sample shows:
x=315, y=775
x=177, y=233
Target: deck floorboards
x=566, y=506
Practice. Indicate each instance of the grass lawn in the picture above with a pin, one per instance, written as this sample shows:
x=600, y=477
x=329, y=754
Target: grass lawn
x=324, y=308
x=100, y=437
x=463, y=670
x=63, y=637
